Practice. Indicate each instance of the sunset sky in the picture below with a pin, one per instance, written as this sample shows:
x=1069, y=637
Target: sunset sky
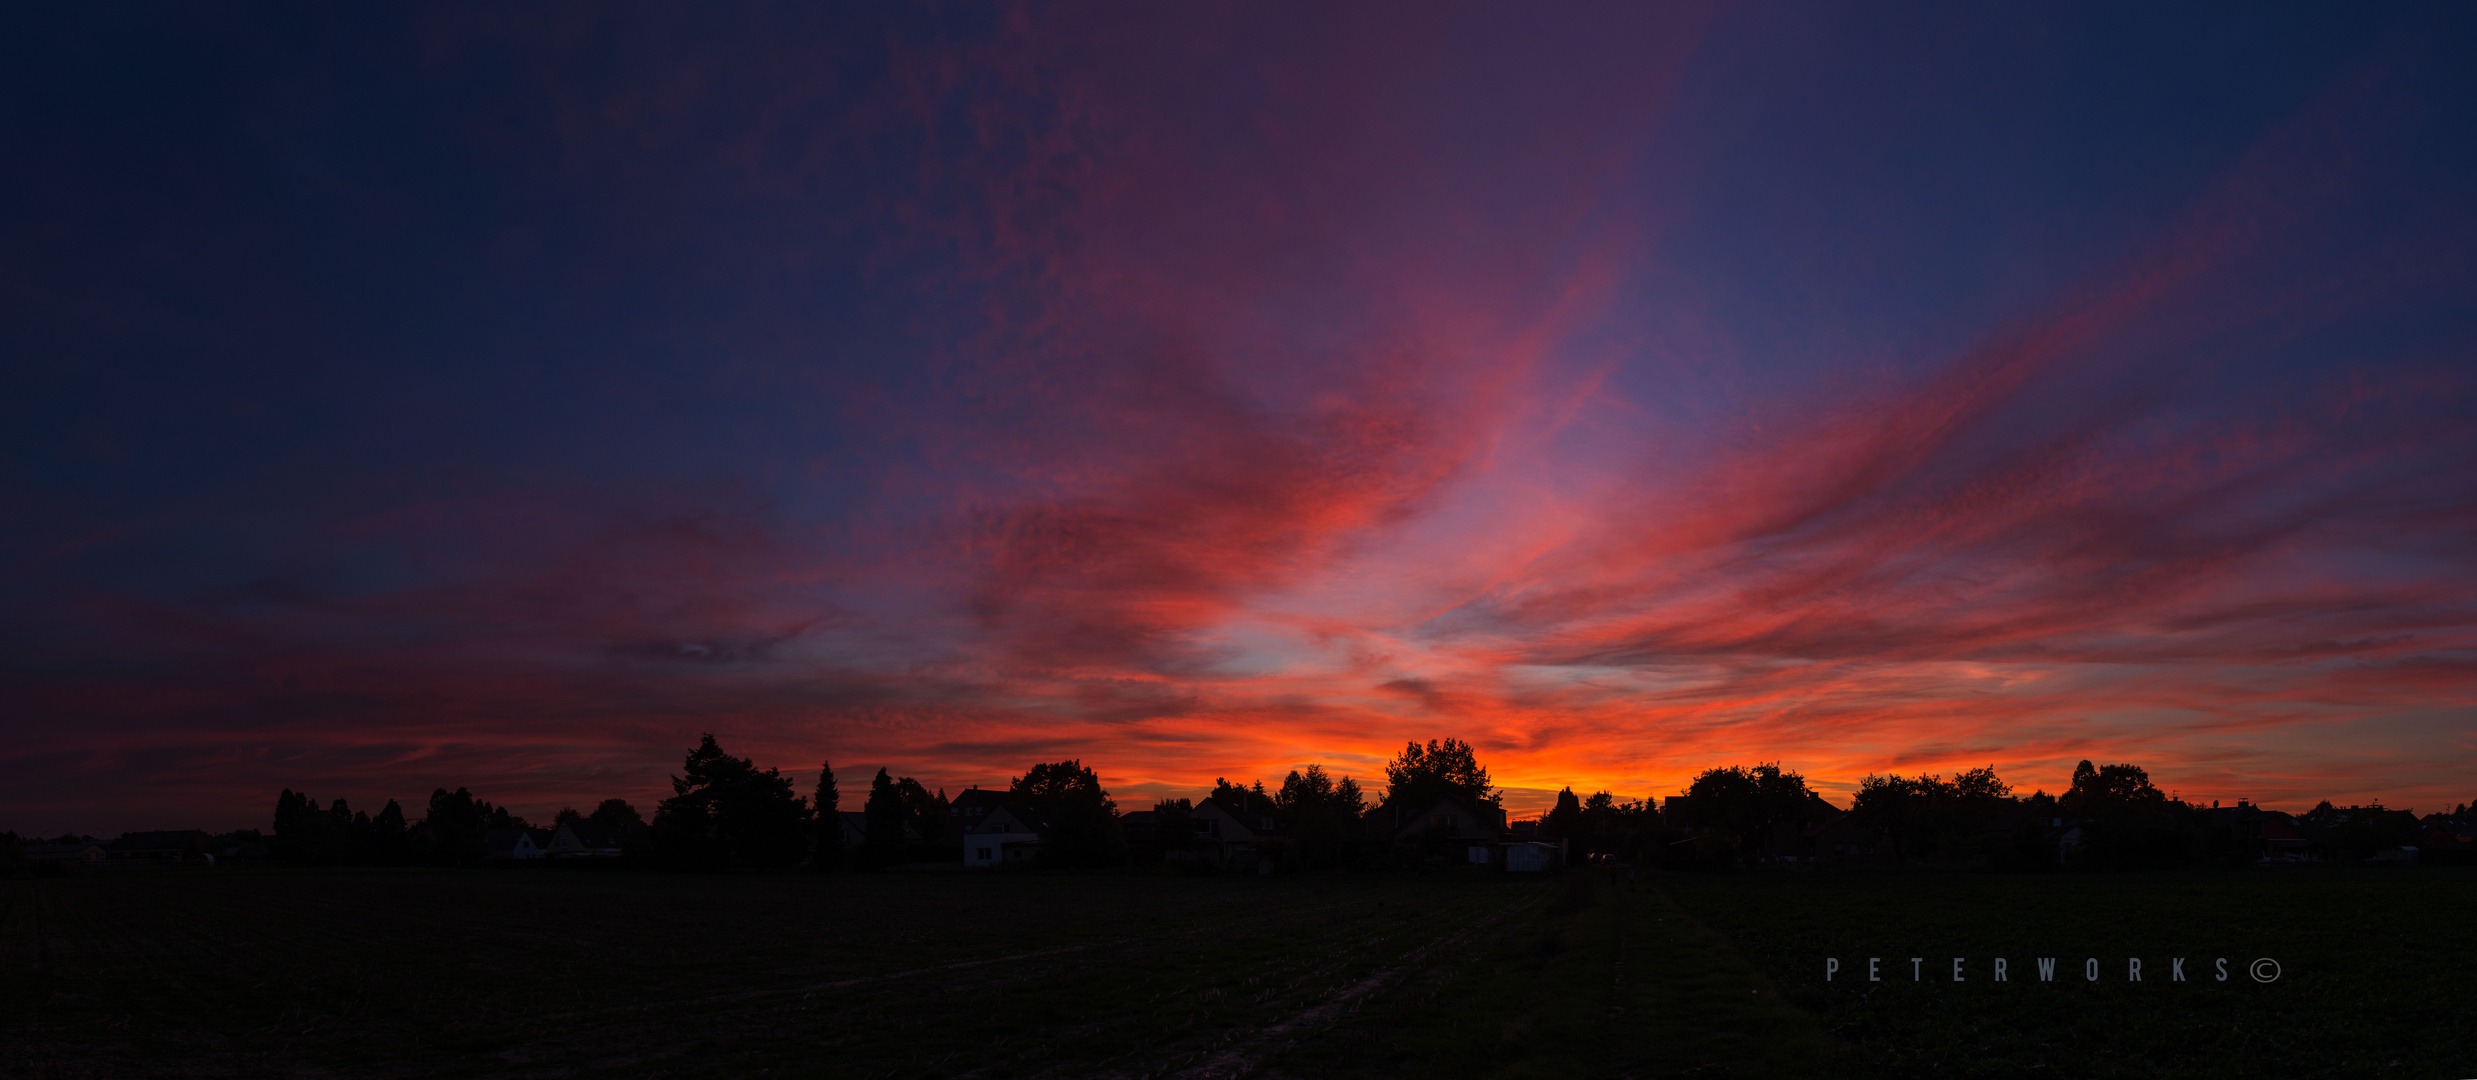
x=397, y=398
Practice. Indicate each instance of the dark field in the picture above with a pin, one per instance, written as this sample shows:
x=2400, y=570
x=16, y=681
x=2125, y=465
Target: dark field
x=552, y=972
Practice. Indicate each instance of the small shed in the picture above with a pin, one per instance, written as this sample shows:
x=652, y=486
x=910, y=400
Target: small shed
x=1530, y=858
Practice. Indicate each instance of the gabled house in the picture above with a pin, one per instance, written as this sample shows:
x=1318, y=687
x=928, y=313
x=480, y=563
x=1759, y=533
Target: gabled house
x=2267, y=835
x=513, y=843
x=1841, y=839
x=2443, y=832
x=1008, y=834
x=584, y=838
x=171, y=847
x=1236, y=833
x=1447, y=817
x=967, y=809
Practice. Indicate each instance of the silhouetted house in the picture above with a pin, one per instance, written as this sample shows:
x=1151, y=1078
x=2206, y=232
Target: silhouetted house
x=170, y=848
x=967, y=808
x=2443, y=832
x=1525, y=831
x=512, y=844
x=80, y=853
x=1843, y=840
x=2039, y=812
x=1237, y=833
x=2265, y=835
x=1008, y=834
x=1138, y=827
x=1449, y=818
x=584, y=838
x=1792, y=841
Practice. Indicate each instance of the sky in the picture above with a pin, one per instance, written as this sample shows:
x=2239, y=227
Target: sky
x=412, y=396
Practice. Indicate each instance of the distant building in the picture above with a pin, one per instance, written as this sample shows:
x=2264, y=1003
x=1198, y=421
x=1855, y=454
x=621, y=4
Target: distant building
x=1530, y=857
x=1237, y=833
x=80, y=853
x=170, y=848
x=1006, y=834
x=1448, y=817
x=1139, y=827
x=584, y=838
x=967, y=808
x=514, y=844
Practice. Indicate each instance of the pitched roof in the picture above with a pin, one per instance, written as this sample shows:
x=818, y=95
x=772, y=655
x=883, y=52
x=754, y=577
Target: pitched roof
x=168, y=840
x=505, y=839
x=977, y=796
x=592, y=833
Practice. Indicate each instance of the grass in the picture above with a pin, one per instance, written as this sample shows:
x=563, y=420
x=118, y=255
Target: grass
x=2376, y=966
x=546, y=972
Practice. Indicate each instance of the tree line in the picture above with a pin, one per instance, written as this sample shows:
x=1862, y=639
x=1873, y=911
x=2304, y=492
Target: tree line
x=725, y=813
x=2119, y=819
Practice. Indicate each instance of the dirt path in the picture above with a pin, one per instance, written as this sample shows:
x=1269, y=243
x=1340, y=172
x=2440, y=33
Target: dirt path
x=1243, y=1058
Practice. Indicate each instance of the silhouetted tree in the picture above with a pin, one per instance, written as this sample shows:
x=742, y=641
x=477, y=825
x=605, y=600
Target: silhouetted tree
x=389, y=843
x=1320, y=815
x=451, y=829
x=923, y=812
x=1565, y=821
x=565, y=815
x=882, y=823
x=1082, y=821
x=306, y=834
x=617, y=814
x=1448, y=767
x=827, y=851
x=1173, y=825
x=724, y=811
x=2127, y=822
x=1743, y=806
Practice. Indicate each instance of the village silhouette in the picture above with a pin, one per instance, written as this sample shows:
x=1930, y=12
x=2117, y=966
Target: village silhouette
x=1437, y=812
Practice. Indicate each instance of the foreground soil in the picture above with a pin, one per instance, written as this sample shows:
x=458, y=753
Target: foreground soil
x=551, y=972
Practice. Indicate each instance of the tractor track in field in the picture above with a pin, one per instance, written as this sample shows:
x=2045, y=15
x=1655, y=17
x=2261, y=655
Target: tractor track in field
x=1243, y=1058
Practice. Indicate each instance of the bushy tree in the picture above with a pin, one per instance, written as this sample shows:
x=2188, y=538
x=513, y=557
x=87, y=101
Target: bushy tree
x=1928, y=816
x=1173, y=825
x=2128, y=824
x=1742, y=806
x=924, y=812
x=390, y=835
x=883, y=826
x=1081, y=819
x=1565, y=821
x=309, y=835
x=827, y=853
x=725, y=812
x=450, y=831
x=1443, y=767
x=1321, y=816
x=617, y=814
